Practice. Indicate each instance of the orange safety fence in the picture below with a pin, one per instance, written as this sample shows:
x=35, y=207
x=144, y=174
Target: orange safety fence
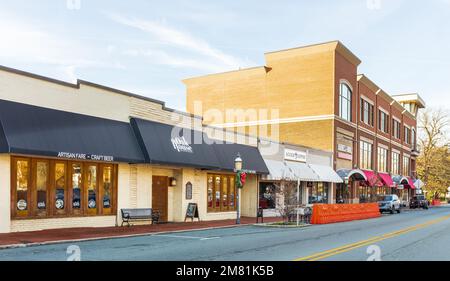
x=332, y=213
x=436, y=202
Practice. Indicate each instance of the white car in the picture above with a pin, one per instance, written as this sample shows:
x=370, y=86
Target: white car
x=389, y=203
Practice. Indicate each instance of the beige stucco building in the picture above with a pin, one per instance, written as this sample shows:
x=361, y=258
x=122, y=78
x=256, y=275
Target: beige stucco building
x=70, y=189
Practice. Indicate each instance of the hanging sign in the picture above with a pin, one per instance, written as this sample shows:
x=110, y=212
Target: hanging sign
x=188, y=191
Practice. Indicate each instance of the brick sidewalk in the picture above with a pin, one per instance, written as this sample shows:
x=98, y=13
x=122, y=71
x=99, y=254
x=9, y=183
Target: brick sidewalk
x=76, y=234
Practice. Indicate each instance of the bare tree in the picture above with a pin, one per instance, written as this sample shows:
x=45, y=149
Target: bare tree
x=286, y=194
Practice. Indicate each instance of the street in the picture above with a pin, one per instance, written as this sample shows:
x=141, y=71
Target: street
x=410, y=236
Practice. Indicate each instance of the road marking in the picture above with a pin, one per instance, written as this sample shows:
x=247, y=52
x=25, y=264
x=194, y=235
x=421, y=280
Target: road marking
x=359, y=244
x=186, y=237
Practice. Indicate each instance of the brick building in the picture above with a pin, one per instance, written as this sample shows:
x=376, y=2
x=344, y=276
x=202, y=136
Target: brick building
x=322, y=103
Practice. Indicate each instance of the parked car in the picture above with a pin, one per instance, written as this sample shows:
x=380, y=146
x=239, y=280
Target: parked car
x=389, y=203
x=419, y=201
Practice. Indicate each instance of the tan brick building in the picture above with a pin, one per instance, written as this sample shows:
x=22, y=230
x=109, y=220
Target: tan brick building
x=321, y=102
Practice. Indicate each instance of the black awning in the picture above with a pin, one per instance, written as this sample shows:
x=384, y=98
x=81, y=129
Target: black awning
x=27, y=129
x=252, y=160
x=171, y=145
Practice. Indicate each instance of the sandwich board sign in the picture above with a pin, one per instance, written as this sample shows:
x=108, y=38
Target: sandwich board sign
x=192, y=212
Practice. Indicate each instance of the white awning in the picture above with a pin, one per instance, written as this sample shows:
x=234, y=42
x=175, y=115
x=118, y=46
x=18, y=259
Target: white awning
x=326, y=173
x=278, y=171
x=302, y=171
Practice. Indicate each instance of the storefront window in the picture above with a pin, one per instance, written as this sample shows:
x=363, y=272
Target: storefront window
x=210, y=192
x=217, y=195
x=221, y=195
x=232, y=194
x=60, y=187
x=46, y=187
x=76, y=186
x=107, y=187
x=22, y=178
x=225, y=193
x=92, y=189
x=267, y=196
x=318, y=193
x=42, y=169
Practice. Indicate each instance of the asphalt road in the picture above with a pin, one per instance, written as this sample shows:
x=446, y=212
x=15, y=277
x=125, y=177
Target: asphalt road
x=409, y=236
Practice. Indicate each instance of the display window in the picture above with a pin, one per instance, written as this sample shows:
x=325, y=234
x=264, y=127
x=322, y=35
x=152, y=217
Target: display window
x=54, y=188
x=221, y=193
x=317, y=192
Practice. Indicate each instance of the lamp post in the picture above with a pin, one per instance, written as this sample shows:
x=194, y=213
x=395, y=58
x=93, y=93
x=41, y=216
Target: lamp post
x=238, y=168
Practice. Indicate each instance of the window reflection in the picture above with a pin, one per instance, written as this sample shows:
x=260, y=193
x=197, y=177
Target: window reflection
x=92, y=187
x=22, y=170
x=76, y=186
x=41, y=184
x=107, y=185
x=60, y=183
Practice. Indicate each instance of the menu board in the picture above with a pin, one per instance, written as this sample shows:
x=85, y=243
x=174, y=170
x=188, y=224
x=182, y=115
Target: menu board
x=192, y=212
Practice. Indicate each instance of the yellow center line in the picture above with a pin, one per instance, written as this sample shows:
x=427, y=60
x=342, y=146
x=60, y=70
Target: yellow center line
x=352, y=246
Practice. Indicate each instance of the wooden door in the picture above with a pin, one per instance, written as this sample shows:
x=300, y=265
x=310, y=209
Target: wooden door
x=160, y=196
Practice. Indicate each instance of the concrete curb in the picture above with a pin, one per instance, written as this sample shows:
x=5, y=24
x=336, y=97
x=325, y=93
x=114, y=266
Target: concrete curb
x=55, y=242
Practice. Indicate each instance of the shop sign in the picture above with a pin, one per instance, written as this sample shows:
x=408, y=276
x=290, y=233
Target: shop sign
x=345, y=156
x=181, y=145
x=22, y=205
x=188, y=191
x=345, y=148
x=400, y=187
x=294, y=155
x=83, y=156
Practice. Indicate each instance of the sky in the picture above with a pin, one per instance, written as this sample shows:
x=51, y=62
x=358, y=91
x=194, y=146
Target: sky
x=148, y=47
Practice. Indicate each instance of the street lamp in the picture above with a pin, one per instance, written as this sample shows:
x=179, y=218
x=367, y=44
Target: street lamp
x=237, y=169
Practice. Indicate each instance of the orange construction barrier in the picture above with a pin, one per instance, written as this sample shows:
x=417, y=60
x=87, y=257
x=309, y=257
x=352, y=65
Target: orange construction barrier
x=332, y=213
x=436, y=202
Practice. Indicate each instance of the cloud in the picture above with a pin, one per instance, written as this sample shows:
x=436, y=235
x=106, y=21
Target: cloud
x=26, y=43
x=181, y=40
x=164, y=58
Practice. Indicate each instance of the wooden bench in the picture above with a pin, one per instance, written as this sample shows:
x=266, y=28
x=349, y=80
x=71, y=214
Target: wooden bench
x=143, y=214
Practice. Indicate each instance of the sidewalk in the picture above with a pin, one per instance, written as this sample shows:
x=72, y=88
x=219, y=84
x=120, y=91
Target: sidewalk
x=22, y=239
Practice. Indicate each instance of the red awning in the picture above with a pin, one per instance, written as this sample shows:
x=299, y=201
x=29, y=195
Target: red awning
x=411, y=183
x=372, y=179
x=386, y=179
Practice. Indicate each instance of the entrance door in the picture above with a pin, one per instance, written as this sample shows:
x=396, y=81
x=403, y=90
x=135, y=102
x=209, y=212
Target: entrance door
x=160, y=196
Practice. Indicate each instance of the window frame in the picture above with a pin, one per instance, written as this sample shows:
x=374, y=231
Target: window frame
x=396, y=129
x=366, y=155
x=382, y=159
x=367, y=112
x=347, y=100
x=395, y=170
x=383, y=121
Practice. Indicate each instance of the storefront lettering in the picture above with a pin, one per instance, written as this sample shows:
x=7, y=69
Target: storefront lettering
x=345, y=148
x=181, y=145
x=83, y=156
x=294, y=155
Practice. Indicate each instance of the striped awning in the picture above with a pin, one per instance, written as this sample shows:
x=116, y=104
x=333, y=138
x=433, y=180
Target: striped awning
x=326, y=173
